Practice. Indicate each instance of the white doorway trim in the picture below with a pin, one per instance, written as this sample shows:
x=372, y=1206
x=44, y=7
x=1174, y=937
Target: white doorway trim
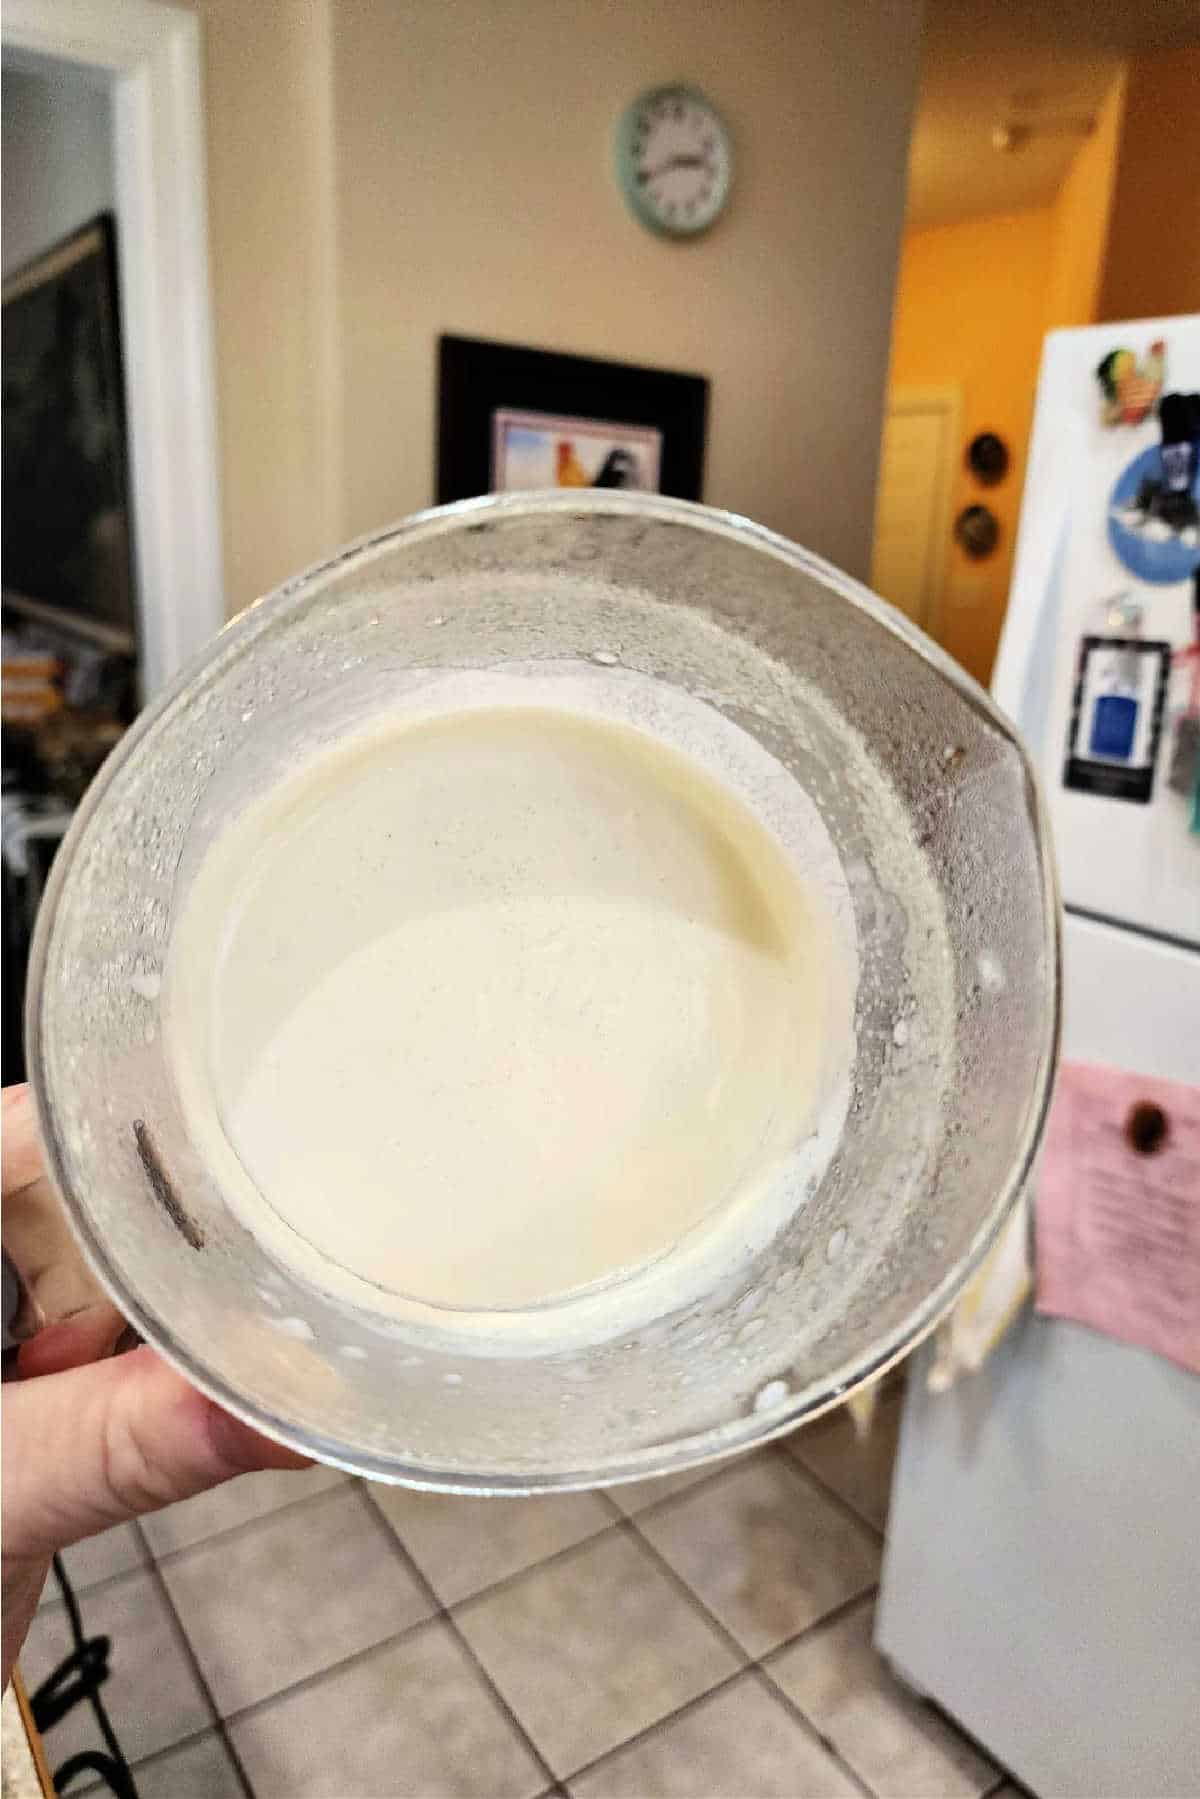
x=150, y=54
x=946, y=402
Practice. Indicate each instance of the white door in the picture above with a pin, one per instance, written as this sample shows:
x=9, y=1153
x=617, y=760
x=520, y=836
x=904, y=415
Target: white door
x=912, y=506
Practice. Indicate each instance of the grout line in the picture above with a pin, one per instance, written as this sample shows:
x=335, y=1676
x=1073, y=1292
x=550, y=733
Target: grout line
x=671, y=1717
x=754, y=1662
x=745, y=1659
x=509, y=1580
x=244, y=1527
x=158, y=1755
x=829, y=1492
x=156, y=1574
x=409, y=1561
x=338, y=1667
x=1003, y=1774
x=727, y=1465
x=818, y=1736
x=826, y=1621
x=52, y=1603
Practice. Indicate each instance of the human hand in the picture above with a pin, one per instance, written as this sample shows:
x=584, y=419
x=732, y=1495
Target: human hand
x=89, y=1440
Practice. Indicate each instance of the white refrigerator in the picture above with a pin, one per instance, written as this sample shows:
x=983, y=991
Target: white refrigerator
x=1042, y=1574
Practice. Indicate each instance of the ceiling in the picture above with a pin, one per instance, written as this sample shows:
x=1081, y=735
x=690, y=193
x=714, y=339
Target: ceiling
x=1044, y=65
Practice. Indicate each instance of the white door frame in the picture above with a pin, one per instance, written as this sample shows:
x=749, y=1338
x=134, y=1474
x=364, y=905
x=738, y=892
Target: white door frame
x=150, y=54
x=946, y=399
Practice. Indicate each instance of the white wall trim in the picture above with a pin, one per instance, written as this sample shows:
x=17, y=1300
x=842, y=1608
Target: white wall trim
x=151, y=53
x=946, y=399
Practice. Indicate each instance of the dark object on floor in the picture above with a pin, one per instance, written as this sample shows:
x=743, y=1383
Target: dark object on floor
x=77, y=1678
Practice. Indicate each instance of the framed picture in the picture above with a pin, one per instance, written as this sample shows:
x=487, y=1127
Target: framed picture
x=67, y=536
x=511, y=418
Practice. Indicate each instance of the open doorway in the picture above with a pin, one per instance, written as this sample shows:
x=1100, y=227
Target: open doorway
x=112, y=552
x=1037, y=200
x=129, y=72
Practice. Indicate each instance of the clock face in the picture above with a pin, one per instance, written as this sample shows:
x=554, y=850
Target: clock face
x=674, y=160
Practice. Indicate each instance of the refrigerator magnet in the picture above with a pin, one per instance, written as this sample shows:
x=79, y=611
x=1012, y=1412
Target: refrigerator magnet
x=1154, y=509
x=1129, y=384
x=1116, y=717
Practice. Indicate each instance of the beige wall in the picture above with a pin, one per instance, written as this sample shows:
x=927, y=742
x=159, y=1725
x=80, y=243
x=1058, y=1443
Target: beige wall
x=266, y=87
x=470, y=147
x=475, y=195
x=380, y=172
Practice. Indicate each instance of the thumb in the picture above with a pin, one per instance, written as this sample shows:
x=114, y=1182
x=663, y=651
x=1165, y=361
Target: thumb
x=93, y=1446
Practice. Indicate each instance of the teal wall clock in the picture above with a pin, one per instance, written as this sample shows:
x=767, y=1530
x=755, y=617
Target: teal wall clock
x=674, y=160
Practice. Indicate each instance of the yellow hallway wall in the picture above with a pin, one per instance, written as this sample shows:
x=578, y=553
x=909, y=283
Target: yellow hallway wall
x=970, y=309
x=1082, y=213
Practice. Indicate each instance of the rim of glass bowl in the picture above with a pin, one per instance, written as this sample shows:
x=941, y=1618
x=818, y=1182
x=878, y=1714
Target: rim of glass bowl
x=736, y=1434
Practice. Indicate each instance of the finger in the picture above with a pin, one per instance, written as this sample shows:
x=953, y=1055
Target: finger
x=97, y=1445
x=20, y=1146
x=56, y=1282
x=88, y=1336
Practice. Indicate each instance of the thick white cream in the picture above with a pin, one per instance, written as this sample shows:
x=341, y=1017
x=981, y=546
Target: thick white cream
x=506, y=1003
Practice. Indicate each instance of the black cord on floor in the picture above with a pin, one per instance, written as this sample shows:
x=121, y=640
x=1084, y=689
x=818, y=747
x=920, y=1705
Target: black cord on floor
x=79, y=1677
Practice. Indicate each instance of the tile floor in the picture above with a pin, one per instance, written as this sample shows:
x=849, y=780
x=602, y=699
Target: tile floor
x=703, y=1637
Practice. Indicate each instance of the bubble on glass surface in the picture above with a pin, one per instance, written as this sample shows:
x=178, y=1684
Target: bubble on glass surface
x=298, y=1328
x=991, y=973
x=146, y=981
x=773, y=1394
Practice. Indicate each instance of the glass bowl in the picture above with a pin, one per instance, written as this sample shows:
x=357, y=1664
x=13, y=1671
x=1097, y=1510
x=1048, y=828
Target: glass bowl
x=933, y=809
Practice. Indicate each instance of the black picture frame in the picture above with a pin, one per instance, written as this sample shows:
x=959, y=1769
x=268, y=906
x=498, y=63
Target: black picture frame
x=477, y=379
